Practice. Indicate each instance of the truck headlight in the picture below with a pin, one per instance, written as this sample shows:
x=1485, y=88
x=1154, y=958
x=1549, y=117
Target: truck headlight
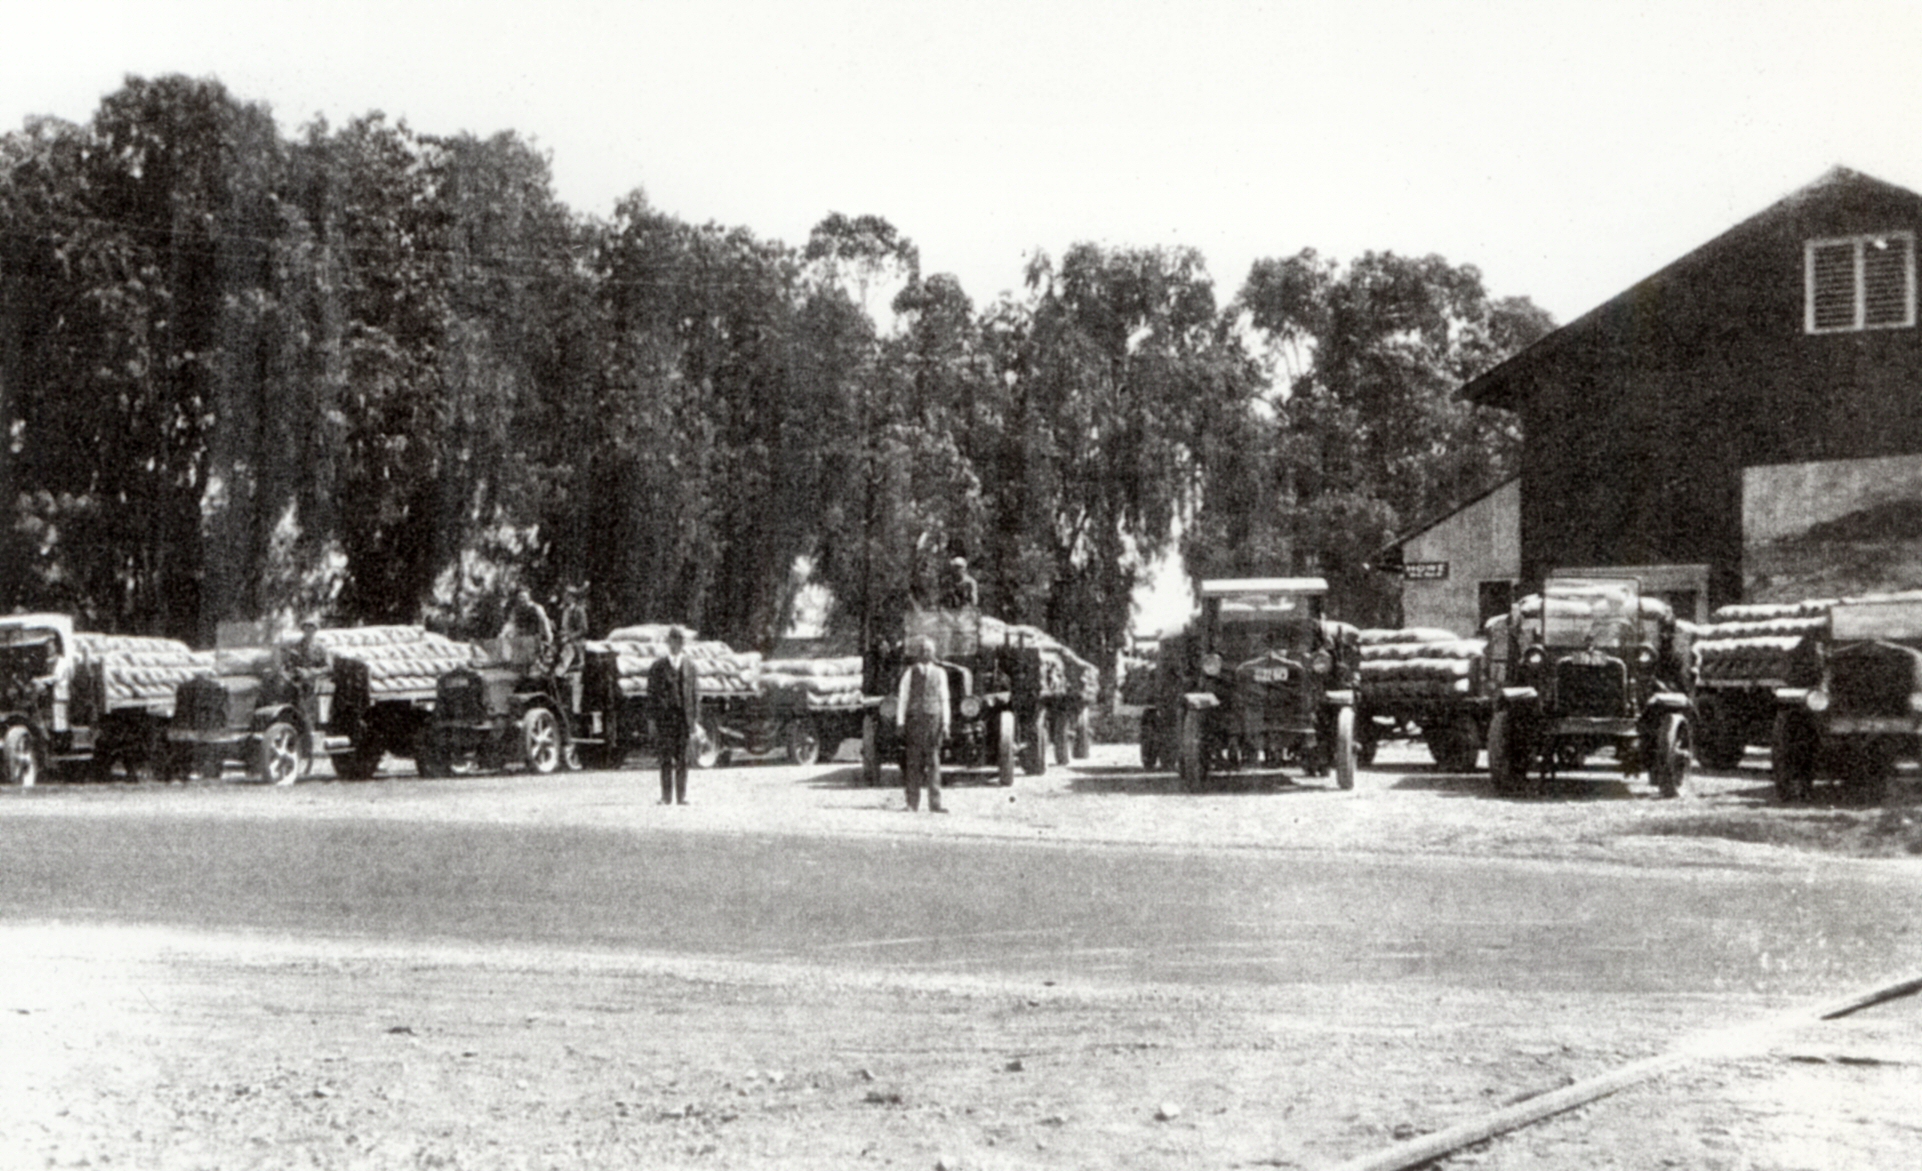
x=1818, y=700
x=1915, y=702
x=1211, y=664
x=970, y=707
x=1321, y=663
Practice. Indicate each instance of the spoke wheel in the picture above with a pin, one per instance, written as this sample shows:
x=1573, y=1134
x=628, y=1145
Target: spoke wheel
x=282, y=758
x=803, y=746
x=1194, y=752
x=1672, y=755
x=541, y=747
x=22, y=757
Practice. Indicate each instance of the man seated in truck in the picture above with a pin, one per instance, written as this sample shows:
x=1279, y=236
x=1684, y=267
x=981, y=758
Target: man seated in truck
x=58, y=680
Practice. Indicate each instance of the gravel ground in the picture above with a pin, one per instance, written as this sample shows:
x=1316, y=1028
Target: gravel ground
x=151, y=1048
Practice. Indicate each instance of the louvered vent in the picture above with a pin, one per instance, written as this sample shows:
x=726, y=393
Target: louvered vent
x=1861, y=282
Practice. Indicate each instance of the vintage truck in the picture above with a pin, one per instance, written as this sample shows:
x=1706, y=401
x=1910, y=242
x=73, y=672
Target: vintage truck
x=1427, y=684
x=1850, y=706
x=1259, y=679
x=111, y=710
x=377, y=699
x=1742, y=658
x=1008, y=684
x=1588, y=664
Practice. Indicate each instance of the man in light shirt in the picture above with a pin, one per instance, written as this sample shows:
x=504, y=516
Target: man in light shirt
x=921, y=712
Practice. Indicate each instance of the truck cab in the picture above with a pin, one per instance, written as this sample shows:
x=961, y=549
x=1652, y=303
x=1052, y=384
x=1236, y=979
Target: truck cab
x=1852, y=706
x=1260, y=677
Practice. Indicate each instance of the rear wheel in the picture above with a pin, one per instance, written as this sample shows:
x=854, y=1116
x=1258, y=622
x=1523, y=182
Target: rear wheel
x=1063, y=728
x=1670, y=768
x=1193, y=752
x=1871, y=768
x=803, y=745
x=870, y=750
x=1004, y=748
x=1344, y=748
x=361, y=761
x=431, y=756
x=1034, y=754
x=1150, y=740
x=1507, y=769
x=1792, y=756
x=542, y=749
x=282, y=754
x=1083, y=735
x=21, y=757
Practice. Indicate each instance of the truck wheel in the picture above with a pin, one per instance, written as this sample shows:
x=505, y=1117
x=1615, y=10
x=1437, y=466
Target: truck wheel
x=871, y=750
x=803, y=746
x=1004, y=748
x=1669, y=770
x=1718, y=739
x=1083, y=735
x=430, y=756
x=361, y=761
x=22, y=757
x=281, y=756
x=1792, y=756
x=1034, y=754
x=1345, y=748
x=1063, y=728
x=1193, y=761
x=541, y=748
x=1871, y=768
x=1150, y=740
x=609, y=752
x=1507, y=767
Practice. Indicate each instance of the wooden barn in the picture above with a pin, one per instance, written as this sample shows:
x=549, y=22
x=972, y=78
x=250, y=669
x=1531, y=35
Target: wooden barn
x=1745, y=423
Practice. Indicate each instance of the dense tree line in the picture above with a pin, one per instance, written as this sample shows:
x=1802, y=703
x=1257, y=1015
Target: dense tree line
x=387, y=375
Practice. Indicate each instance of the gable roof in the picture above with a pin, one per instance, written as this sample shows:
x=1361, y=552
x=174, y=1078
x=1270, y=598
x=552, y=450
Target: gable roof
x=1507, y=384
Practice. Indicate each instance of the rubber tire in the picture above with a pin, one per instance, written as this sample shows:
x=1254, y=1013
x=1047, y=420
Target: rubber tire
x=1150, y=740
x=803, y=743
x=1792, y=753
x=21, y=757
x=1004, y=749
x=430, y=759
x=1718, y=741
x=1870, y=771
x=1193, y=758
x=871, y=750
x=1062, y=729
x=1507, y=774
x=1672, y=759
x=1083, y=735
x=1344, y=748
x=541, y=747
x=280, y=756
x=1034, y=753
x=359, y=762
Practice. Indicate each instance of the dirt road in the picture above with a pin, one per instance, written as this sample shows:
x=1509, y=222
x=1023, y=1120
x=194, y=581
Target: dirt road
x=146, y=1047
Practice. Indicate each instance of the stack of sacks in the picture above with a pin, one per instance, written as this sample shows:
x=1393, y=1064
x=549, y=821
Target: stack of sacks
x=401, y=660
x=1399, y=666
x=140, y=671
x=1084, y=678
x=1753, y=644
x=813, y=684
x=724, y=671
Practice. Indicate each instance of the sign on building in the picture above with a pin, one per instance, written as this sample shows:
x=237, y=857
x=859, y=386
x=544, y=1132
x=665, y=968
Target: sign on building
x=1425, y=570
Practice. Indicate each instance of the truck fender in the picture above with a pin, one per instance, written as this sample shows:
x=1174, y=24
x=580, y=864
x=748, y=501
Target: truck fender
x=1792, y=696
x=1200, y=701
x=1669, y=701
x=264, y=717
x=1340, y=697
x=1511, y=696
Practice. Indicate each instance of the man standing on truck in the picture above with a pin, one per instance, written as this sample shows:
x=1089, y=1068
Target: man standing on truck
x=674, y=689
x=921, y=712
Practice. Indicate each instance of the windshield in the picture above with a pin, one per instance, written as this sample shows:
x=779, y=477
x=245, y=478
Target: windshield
x=1601, y=612
x=1253, y=624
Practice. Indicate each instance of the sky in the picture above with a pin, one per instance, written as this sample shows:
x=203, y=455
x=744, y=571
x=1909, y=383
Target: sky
x=1566, y=148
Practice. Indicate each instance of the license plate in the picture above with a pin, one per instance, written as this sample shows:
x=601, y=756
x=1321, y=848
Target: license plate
x=1270, y=675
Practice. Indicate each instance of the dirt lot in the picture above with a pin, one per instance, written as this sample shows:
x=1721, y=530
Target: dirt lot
x=145, y=1048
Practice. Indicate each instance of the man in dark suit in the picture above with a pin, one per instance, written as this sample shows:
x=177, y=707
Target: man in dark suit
x=674, y=688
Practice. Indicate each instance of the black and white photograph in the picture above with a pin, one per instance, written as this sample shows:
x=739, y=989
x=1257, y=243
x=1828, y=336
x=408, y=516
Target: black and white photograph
x=1299, y=585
